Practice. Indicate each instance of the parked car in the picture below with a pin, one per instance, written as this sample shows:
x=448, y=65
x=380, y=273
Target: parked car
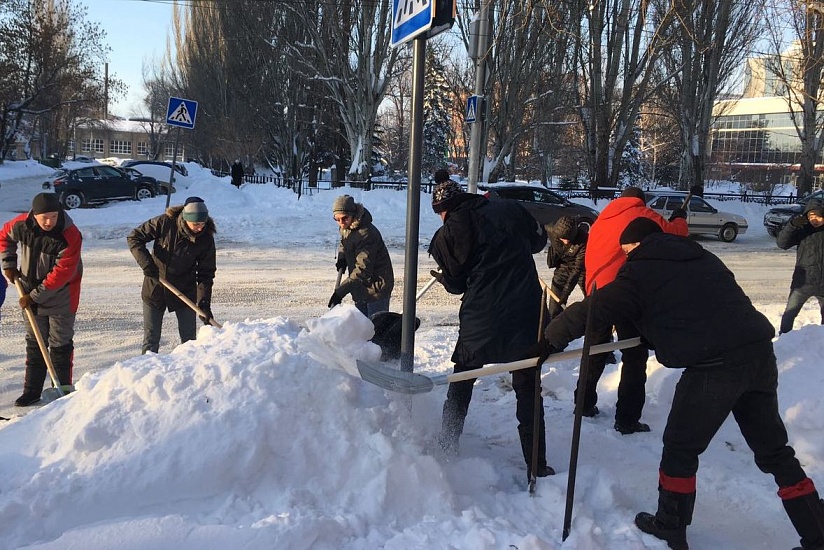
x=160, y=171
x=49, y=183
x=101, y=183
x=702, y=217
x=545, y=206
x=776, y=218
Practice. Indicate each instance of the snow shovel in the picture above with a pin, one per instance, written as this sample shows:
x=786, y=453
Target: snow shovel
x=185, y=299
x=388, y=327
x=49, y=394
x=412, y=383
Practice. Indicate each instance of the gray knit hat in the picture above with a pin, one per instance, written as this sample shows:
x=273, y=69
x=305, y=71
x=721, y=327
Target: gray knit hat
x=194, y=210
x=345, y=204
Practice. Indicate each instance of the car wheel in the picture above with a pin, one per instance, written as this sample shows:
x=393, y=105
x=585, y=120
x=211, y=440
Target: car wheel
x=72, y=199
x=143, y=193
x=728, y=233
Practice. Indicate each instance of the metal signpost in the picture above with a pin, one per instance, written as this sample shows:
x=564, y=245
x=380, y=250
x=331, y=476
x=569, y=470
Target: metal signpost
x=181, y=113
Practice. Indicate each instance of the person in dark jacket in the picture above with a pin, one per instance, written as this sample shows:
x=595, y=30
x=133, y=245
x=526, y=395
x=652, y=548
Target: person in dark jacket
x=806, y=231
x=183, y=254
x=46, y=244
x=567, y=248
x=729, y=367
x=237, y=173
x=603, y=260
x=363, y=253
x=484, y=250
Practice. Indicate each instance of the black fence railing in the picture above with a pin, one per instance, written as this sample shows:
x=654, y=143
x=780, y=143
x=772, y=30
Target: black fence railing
x=302, y=187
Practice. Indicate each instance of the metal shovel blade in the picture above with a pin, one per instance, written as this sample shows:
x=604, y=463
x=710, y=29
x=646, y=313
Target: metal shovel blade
x=395, y=380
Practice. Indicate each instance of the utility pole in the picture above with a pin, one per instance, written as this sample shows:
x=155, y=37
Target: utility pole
x=479, y=51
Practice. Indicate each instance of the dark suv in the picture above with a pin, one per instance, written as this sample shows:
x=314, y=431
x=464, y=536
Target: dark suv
x=101, y=183
x=776, y=218
x=545, y=206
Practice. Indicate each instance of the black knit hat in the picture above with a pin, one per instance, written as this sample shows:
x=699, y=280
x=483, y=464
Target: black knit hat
x=445, y=196
x=441, y=176
x=565, y=228
x=45, y=202
x=638, y=229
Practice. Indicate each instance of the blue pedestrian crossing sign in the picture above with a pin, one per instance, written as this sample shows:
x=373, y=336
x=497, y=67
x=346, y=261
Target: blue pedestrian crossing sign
x=181, y=112
x=472, y=108
x=410, y=18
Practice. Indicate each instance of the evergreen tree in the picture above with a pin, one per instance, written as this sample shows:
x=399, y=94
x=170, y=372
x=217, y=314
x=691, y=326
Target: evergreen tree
x=437, y=127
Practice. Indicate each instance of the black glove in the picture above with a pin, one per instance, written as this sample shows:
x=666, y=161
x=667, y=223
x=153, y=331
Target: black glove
x=542, y=350
x=204, y=306
x=678, y=213
x=340, y=264
x=151, y=271
x=799, y=221
x=11, y=274
x=437, y=274
x=335, y=300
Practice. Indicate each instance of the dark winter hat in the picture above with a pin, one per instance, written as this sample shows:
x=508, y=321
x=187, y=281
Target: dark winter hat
x=45, y=202
x=441, y=176
x=194, y=210
x=815, y=207
x=565, y=228
x=445, y=196
x=636, y=192
x=345, y=204
x=638, y=229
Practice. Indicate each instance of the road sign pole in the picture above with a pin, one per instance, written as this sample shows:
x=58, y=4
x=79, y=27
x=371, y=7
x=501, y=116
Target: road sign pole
x=413, y=207
x=477, y=133
x=172, y=176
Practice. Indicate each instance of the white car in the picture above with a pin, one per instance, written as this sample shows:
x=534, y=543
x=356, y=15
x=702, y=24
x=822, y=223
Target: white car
x=702, y=217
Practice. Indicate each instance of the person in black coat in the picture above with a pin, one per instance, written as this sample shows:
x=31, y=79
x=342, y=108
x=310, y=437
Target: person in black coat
x=484, y=250
x=237, y=173
x=567, y=248
x=729, y=367
x=806, y=231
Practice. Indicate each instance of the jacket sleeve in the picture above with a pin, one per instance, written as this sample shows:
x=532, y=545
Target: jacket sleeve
x=140, y=236
x=574, y=272
x=362, y=273
x=8, y=243
x=678, y=226
x=790, y=236
x=206, y=267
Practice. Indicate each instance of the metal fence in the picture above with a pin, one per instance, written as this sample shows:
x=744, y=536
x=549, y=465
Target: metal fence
x=302, y=187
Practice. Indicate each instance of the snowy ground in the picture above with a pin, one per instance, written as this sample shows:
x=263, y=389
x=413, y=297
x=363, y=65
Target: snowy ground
x=253, y=436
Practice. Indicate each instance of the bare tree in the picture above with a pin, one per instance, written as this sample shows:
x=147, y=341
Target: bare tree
x=800, y=68
x=709, y=40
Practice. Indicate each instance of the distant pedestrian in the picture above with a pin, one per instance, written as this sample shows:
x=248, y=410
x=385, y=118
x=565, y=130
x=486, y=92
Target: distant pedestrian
x=237, y=173
x=363, y=253
x=806, y=231
x=183, y=254
x=46, y=244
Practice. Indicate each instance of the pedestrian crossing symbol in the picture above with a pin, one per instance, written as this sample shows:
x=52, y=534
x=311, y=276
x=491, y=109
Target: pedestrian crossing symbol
x=472, y=108
x=181, y=112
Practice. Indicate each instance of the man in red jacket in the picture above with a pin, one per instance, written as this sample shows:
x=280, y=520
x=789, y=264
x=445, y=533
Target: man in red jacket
x=602, y=261
x=46, y=245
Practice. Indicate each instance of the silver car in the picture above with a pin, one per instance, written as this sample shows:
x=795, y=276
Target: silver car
x=702, y=217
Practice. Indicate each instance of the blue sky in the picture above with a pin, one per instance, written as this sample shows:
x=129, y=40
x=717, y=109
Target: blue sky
x=136, y=33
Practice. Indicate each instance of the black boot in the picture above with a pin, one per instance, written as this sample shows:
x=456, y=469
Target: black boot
x=670, y=522
x=807, y=516
x=62, y=357
x=526, y=435
x=35, y=376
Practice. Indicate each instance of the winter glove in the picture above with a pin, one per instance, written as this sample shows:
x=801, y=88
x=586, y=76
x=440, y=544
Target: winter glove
x=340, y=265
x=26, y=301
x=204, y=306
x=335, y=300
x=799, y=221
x=678, y=213
x=437, y=274
x=11, y=274
x=151, y=271
x=542, y=350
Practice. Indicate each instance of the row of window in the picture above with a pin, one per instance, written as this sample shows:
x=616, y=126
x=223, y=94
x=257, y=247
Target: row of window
x=118, y=147
x=765, y=138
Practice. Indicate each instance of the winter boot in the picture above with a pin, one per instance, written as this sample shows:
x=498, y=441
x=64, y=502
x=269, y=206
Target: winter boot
x=62, y=359
x=35, y=376
x=631, y=427
x=526, y=434
x=807, y=516
x=670, y=522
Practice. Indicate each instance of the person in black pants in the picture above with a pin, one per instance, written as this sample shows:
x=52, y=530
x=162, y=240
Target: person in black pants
x=484, y=250
x=729, y=367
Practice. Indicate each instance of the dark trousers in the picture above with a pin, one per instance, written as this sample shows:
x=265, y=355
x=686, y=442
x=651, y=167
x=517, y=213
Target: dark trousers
x=632, y=386
x=58, y=333
x=371, y=308
x=795, y=301
x=153, y=324
x=744, y=385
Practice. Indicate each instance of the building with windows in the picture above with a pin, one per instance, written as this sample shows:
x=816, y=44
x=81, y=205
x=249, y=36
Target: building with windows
x=133, y=139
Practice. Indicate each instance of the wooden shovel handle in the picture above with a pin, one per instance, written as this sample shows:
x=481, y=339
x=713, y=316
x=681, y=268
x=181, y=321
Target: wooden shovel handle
x=44, y=351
